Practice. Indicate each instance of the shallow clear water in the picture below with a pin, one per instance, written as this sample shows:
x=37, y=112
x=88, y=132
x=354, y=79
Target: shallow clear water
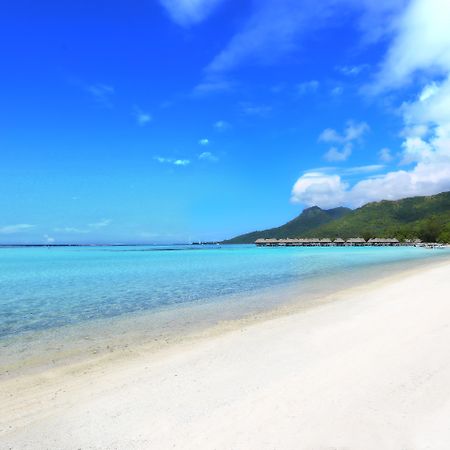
x=43, y=288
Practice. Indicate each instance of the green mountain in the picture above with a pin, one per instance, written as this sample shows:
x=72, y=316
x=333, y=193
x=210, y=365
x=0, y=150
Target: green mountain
x=309, y=219
x=427, y=218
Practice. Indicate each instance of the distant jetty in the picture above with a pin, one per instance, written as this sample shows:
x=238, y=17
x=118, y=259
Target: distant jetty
x=338, y=242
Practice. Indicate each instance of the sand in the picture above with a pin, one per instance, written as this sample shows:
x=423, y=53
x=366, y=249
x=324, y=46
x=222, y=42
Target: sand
x=370, y=370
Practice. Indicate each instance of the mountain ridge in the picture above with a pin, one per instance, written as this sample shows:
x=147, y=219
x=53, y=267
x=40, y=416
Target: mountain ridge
x=423, y=217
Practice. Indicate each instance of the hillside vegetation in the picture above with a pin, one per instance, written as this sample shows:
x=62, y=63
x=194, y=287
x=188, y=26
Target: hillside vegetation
x=426, y=218
x=309, y=219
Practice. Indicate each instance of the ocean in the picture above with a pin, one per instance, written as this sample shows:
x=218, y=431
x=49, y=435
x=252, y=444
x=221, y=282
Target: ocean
x=48, y=294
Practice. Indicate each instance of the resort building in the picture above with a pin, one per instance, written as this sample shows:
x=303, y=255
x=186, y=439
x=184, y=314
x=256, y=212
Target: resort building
x=383, y=241
x=356, y=242
x=326, y=242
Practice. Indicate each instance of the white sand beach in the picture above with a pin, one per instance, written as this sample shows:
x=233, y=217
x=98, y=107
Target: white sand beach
x=369, y=370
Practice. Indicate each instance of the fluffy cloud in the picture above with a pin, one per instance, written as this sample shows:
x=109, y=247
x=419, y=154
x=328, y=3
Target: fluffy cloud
x=327, y=191
x=175, y=162
x=18, y=228
x=426, y=147
x=429, y=175
x=352, y=133
x=181, y=162
x=319, y=189
x=421, y=44
x=189, y=12
x=335, y=155
x=203, y=141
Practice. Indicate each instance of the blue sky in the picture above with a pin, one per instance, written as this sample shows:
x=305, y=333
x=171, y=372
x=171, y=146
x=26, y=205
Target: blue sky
x=179, y=120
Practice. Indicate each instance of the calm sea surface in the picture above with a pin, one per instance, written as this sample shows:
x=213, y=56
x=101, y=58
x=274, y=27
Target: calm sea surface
x=48, y=288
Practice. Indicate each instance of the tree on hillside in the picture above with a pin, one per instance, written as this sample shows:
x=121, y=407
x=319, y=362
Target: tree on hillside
x=430, y=230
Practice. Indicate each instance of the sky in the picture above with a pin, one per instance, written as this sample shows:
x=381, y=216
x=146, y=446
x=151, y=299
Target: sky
x=183, y=120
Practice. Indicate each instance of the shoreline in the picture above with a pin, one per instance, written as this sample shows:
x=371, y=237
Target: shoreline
x=242, y=353
x=87, y=344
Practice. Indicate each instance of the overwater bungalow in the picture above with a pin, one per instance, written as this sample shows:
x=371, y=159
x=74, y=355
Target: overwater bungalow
x=326, y=242
x=355, y=242
x=383, y=242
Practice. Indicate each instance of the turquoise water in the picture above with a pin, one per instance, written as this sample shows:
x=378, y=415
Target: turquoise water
x=43, y=288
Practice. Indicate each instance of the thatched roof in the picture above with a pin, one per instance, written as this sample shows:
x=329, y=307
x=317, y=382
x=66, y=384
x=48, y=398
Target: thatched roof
x=383, y=241
x=357, y=240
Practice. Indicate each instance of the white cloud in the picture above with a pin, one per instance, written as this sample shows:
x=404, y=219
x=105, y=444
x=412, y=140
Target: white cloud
x=327, y=190
x=430, y=155
x=276, y=28
x=162, y=160
x=352, y=71
x=428, y=91
x=334, y=154
x=102, y=93
x=221, y=125
x=345, y=171
x=271, y=31
x=315, y=188
x=203, y=141
x=189, y=12
x=142, y=117
x=355, y=131
x=385, y=155
x=426, y=144
x=421, y=44
x=208, y=156
x=48, y=239
x=362, y=169
x=415, y=149
x=352, y=133
x=421, y=51
x=181, y=162
x=307, y=87
x=18, y=228
x=331, y=135
x=175, y=162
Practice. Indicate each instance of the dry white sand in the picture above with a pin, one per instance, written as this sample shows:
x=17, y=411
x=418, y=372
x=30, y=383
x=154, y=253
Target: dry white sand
x=368, y=371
